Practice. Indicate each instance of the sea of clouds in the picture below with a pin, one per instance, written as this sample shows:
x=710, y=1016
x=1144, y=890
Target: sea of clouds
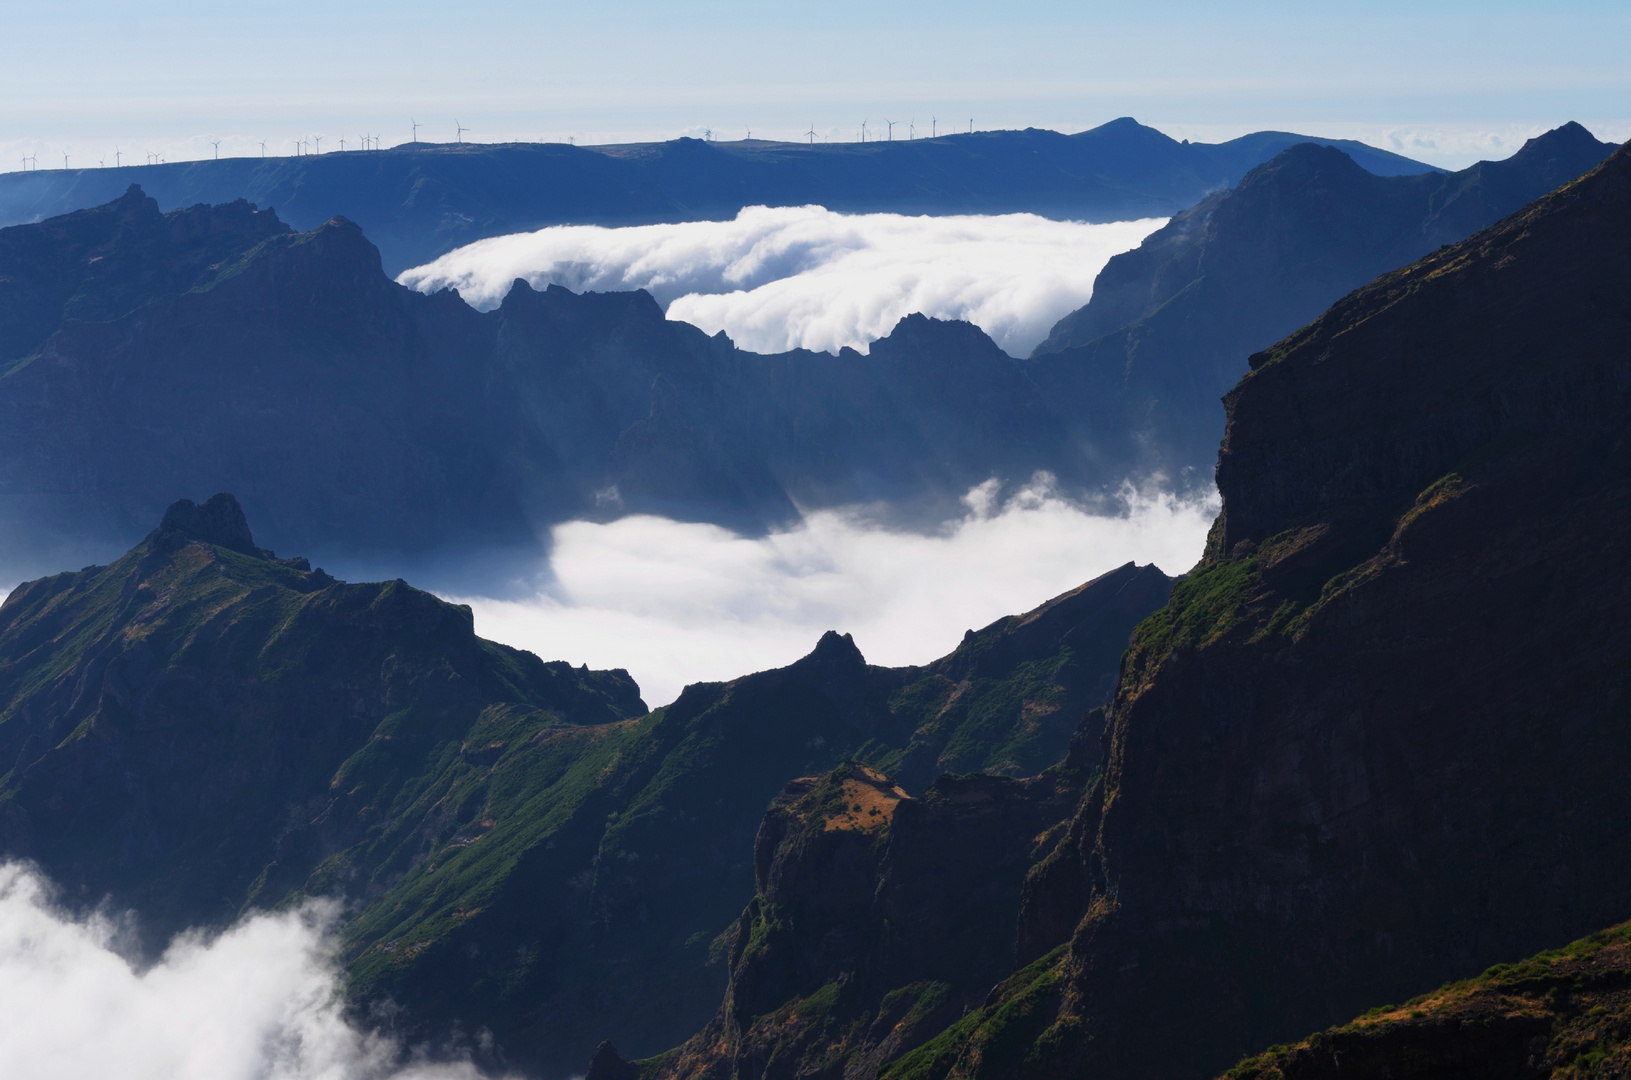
x=259, y=1001
x=778, y=278
x=676, y=603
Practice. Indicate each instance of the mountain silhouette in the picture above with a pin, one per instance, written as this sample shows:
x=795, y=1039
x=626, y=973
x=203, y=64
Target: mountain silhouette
x=418, y=201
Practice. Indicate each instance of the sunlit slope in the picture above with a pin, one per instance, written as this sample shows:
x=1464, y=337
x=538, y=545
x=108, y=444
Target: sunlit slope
x=199, y=729
x=1170, y=324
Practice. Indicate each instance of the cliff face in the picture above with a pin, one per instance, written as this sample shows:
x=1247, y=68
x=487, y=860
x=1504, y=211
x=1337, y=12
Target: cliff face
x=1169, y=324
x=879, y=920
x=1377, y=739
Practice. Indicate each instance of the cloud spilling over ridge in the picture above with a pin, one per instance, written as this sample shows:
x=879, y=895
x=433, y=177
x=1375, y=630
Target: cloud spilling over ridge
x=679, y=603
x=786, y=277
x=258, y=1002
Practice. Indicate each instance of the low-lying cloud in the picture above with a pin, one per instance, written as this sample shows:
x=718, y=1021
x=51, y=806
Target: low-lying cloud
x=257, y=1002
x=679, y=603
x=777, y=278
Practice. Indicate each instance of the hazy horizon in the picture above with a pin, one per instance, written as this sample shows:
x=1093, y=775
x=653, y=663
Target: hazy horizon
x=1448, y=85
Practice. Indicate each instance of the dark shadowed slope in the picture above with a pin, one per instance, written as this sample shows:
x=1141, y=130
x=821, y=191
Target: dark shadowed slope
x=213, y=349
x=1378, y=738
x=1171, y=323
x=419, y=201
x=200, y=728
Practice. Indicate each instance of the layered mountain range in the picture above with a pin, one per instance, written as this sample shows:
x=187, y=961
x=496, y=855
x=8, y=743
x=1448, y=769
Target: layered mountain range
x=213, y=348
x=1370, y=750
x=200, y=729
x=418, y=200
x=361, y=418
x=1375, y=741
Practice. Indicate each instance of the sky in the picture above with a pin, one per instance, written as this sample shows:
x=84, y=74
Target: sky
x=1447, y=82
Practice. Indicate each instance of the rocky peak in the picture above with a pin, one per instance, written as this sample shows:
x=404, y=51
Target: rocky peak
x=220, y=521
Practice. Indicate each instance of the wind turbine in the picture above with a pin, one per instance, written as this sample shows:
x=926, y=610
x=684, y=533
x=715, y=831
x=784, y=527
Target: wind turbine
x=415, y=124
x=461, y=129
x=263, y=148
x=891, y=124
x=65, y=163
x=299, y=145
x=217, y=144
x=934, y=128
x=911, y=129
x=342, y=144
x=863, y=131
x=707, y=135
x=811, y=133
x=317, y=141
x=116, y=156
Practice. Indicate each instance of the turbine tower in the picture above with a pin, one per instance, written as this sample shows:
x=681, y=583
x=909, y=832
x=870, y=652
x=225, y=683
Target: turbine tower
x=415, y=124
x=461, y=129
x=891, y=124
x=317, y=143
x=863, y=131
x=116, y=156
x=65, y=163
x=263, y=148
x=934, y=127
x=217, y=144
x=811, y=133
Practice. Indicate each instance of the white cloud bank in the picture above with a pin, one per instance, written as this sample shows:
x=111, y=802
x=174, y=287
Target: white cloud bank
x=679, y=603
x=258, y=1002
x=780, y=278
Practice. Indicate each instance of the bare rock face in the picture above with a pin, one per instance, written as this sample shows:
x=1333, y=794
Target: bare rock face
x=880, y=919
x=1378, y=739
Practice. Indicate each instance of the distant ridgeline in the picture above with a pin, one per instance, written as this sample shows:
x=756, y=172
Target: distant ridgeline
x=144, y=353
x=418, y=201
x=201, y=728
x=1171, y=323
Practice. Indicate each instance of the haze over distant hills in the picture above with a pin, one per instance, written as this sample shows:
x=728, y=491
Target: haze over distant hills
x=418, y=201
x=213, y=348
x=1171, y=323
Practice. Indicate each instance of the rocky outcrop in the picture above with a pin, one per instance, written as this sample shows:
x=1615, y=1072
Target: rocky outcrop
x=1376, y=740
x=1563, y=1013
x=879, y=919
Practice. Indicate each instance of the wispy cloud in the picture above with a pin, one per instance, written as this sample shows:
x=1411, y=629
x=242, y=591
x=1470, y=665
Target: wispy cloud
x=257, y=1002
x=780, y=278
x=678, y=603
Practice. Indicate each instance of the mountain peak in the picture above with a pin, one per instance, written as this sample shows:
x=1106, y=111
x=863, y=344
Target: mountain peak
x=220, y=521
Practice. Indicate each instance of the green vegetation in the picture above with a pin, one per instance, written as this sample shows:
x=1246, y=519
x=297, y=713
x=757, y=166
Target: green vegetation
x=1561, y=1013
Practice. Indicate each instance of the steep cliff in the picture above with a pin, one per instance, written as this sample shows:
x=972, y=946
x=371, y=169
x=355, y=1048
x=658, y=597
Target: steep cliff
x=879, y=920
x=1378, y=738
x=1171, y=322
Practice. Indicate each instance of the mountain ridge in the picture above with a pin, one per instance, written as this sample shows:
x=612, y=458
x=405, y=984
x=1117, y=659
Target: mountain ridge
x=419, y=201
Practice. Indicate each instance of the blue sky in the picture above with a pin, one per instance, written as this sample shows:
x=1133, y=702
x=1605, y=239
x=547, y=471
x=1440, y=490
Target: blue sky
x=1446, y=82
